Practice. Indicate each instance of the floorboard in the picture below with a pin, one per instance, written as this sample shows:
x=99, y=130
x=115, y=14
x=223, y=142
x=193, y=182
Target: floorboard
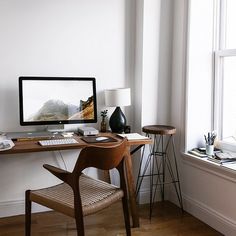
x=167, y=220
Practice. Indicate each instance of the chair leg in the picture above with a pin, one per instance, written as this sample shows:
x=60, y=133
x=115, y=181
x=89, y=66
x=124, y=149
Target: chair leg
x=27, y=213
x=126, y=216
x=79, y=225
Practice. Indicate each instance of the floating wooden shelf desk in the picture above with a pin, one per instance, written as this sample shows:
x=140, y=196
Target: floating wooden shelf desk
x=33, y=146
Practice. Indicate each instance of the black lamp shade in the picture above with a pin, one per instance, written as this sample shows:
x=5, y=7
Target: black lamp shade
x=117, y=121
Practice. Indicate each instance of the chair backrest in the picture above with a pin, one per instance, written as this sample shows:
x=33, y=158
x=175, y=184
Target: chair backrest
x=104, y=158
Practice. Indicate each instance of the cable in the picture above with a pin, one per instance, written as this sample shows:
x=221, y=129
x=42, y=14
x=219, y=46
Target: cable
x=61, y=156
x=63, y=160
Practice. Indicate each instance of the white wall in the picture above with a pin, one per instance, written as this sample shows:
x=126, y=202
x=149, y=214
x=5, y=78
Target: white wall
x=118, y=42
x=199, y=78
x=147, y=61
x=55, y=38
x=153, y=62
x=59, y=38
x=152, y=71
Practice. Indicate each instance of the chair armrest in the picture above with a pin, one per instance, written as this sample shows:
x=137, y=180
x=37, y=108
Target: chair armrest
x=59, y=173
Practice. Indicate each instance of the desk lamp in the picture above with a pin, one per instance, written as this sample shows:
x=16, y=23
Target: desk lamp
x=117, y=98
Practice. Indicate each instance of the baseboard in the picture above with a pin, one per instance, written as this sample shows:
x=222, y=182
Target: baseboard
x=13, y=208
x=144, y=195
x=216, y=220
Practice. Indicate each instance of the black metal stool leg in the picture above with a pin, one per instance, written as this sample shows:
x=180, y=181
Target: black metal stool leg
x=177, y=174
x=152, y=166
x=158, y=164
x=159, y=156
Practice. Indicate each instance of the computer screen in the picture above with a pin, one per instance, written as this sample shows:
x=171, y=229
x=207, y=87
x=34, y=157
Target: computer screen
x=57, y=100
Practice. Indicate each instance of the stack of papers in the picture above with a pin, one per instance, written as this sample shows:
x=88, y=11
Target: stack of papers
x=223, y=157
x=197, y=152
x=133, y=136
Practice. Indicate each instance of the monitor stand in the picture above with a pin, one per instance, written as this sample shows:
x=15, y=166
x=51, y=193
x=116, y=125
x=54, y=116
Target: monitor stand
x=55, y=129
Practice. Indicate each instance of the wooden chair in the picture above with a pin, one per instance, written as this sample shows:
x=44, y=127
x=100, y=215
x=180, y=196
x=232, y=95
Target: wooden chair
x=80, y=195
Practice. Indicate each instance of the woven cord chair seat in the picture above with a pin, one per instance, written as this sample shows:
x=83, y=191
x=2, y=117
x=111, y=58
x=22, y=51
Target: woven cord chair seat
x=95, y=195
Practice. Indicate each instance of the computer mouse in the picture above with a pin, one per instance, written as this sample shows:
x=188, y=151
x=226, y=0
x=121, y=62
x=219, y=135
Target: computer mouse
x=101, y=138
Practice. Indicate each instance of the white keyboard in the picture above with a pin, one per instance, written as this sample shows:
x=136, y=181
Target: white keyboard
x=52, y=142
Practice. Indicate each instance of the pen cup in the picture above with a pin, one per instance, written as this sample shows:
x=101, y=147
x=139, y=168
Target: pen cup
x=210, y=150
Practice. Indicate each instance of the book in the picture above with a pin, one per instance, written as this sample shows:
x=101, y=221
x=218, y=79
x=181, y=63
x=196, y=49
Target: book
x=219, y=161
x=132, y=136
x=198, y=152
x=201, y=152
x=223, y=157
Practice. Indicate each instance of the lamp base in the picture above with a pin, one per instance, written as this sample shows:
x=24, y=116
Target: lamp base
x=117, y=121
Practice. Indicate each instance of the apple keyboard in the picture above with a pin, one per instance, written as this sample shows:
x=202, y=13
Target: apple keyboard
x=52, y=142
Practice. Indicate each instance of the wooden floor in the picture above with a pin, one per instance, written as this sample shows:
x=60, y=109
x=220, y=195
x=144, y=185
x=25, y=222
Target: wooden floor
x=167, y=220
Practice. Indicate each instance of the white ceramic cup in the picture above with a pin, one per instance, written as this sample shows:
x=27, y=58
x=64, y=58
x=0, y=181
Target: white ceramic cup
x=210, y=150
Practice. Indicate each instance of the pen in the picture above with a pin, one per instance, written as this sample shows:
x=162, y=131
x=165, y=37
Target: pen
x=210, y=138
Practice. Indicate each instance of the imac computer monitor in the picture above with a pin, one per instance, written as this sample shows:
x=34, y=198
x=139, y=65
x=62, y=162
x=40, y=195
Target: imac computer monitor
x=57, y=100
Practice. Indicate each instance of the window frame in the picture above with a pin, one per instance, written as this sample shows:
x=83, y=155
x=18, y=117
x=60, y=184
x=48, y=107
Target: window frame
x=220, y=52
x=218, y=87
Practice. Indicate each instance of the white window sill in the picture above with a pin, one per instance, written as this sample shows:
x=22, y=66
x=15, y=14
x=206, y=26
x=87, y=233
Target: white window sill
x=226, y=171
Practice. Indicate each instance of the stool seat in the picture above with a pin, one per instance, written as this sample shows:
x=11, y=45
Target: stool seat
x=159, y=129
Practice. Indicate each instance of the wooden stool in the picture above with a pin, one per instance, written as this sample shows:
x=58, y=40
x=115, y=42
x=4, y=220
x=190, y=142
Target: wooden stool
x=159, y=162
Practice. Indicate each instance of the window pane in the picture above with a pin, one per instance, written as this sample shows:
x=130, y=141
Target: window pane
x=229, y=98
x=230, y=24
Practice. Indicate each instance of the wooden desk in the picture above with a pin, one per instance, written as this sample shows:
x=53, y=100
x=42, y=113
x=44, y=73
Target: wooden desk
x=33, y=146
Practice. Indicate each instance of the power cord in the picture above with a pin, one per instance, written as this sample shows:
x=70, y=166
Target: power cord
x=63, y=160
x=61, y=157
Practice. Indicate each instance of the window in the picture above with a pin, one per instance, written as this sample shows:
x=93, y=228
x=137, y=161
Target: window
x=225, y=71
